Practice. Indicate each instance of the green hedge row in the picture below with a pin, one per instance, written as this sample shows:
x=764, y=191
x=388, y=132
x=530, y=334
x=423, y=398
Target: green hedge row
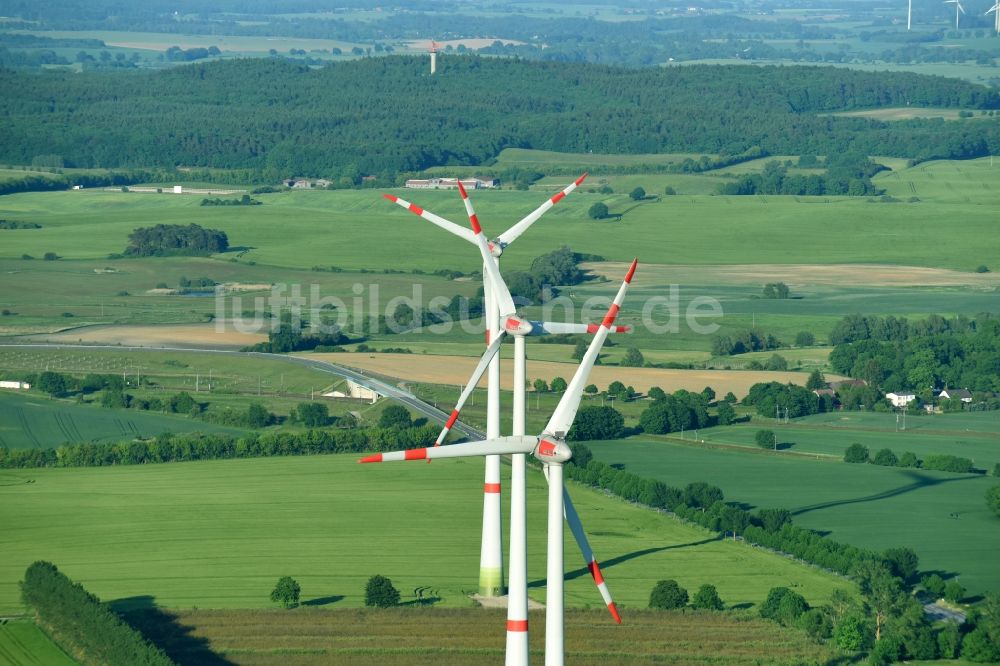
x=81, y=624
x=198, y=446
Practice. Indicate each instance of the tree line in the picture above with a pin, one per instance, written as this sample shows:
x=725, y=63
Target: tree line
x=81, y=624
x=364, y=117
x=168, y=447
x=893, y=354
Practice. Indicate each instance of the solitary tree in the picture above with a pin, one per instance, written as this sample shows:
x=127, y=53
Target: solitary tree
x=395, y=416
x=805, y=339
x=633, y=358
x=726, y=413
x=816, y=380
x=591, y=389
x=598, y=211
x=766, y=439
x=668, y=594
x=707, y=598
x=856, y=453
x=558, y=384
x=286, y=592
x=381, y=593
x=993, y=499
x=638, y=194
x=540, y=386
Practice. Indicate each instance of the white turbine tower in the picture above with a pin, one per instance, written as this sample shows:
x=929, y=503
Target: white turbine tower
x=491, y=553
x=551, y=449
x=909, y=13
x=958, y=8
x=995, y=10
x=433, y=50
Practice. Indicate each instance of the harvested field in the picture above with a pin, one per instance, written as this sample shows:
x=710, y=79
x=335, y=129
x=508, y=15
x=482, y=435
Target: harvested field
x=165, y=335
x=798, y=275
x=452, y=636
x=457, y=369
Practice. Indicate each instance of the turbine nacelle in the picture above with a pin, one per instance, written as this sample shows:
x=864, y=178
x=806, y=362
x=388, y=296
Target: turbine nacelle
x=514, y=325
x=552, y=450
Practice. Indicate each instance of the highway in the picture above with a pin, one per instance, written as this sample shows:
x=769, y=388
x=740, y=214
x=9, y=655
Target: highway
x=382, y=388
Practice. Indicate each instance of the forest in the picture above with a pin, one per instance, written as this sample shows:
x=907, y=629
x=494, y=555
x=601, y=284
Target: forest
x=371, y=116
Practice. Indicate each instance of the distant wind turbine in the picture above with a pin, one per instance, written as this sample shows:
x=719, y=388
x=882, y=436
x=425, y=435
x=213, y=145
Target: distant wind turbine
x=909, y=13
x=995, y=9
x=958, y=8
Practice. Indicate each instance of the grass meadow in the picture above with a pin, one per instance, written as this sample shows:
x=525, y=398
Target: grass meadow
x=218, y=534
x=30, y=421
x=942, y=516
x=24, y=644
x=300, y=229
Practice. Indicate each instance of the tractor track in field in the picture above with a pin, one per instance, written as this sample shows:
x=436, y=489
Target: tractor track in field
x=918, y=431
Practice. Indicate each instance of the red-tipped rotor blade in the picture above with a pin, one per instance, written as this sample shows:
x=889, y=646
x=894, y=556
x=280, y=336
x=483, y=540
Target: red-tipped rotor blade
x=559, y=328
x=565, y=413
x=509, y=236
x=477, y=374
x=492, y=447
x=447, y=225
x=576, y=526
x=500, y=292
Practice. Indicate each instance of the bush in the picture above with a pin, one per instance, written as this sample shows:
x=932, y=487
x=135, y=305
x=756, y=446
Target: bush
x=765, y=439
x=707, y=598
x=669, y=191
x=783, y=605
x=286, y=592
x=953, y=591
x=909, y=459
x=50, y=256
x=380, y=593
x=885, y=458
x=856, y=453
x=598, y=211
x=633, y=358
x=948, y=463
x=982, y=268
x=638, y=194
x=853, y=633
x=805, y=339
x=816, y=624
x=668, y=594
x=395, y=416
x=934, y=584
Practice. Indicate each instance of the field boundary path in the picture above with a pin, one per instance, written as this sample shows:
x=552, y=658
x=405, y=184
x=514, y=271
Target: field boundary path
x=380, y=387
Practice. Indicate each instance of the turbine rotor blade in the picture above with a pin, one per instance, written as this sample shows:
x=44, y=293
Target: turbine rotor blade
x=576, y=527
x=492, y=447
x=477, y=374
x=509, y=236
x=447, y=225
x=559, y=328
x=500, y=292
x=562, y=418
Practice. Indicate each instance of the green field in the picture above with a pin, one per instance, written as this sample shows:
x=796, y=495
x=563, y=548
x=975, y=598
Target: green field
x=217, y=534
x=24, y=644
x=31, y=421
x=970, y=435
x=298, y=229
x=942, y=516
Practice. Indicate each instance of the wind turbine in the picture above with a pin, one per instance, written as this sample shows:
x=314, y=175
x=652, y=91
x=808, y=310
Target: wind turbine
x=909, y=14
x=551, y=449
x=995, y=10
x=491, y=553
x=958, y=8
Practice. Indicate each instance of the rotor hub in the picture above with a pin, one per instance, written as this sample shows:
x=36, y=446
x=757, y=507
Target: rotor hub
x=552, y=450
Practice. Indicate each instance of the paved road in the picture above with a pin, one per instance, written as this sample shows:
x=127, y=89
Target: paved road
x=380, y=387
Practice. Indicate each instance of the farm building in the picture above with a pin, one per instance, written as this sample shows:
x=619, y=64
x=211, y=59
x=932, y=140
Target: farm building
x=956, y=394
x=901, y=399
x=452, y=183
